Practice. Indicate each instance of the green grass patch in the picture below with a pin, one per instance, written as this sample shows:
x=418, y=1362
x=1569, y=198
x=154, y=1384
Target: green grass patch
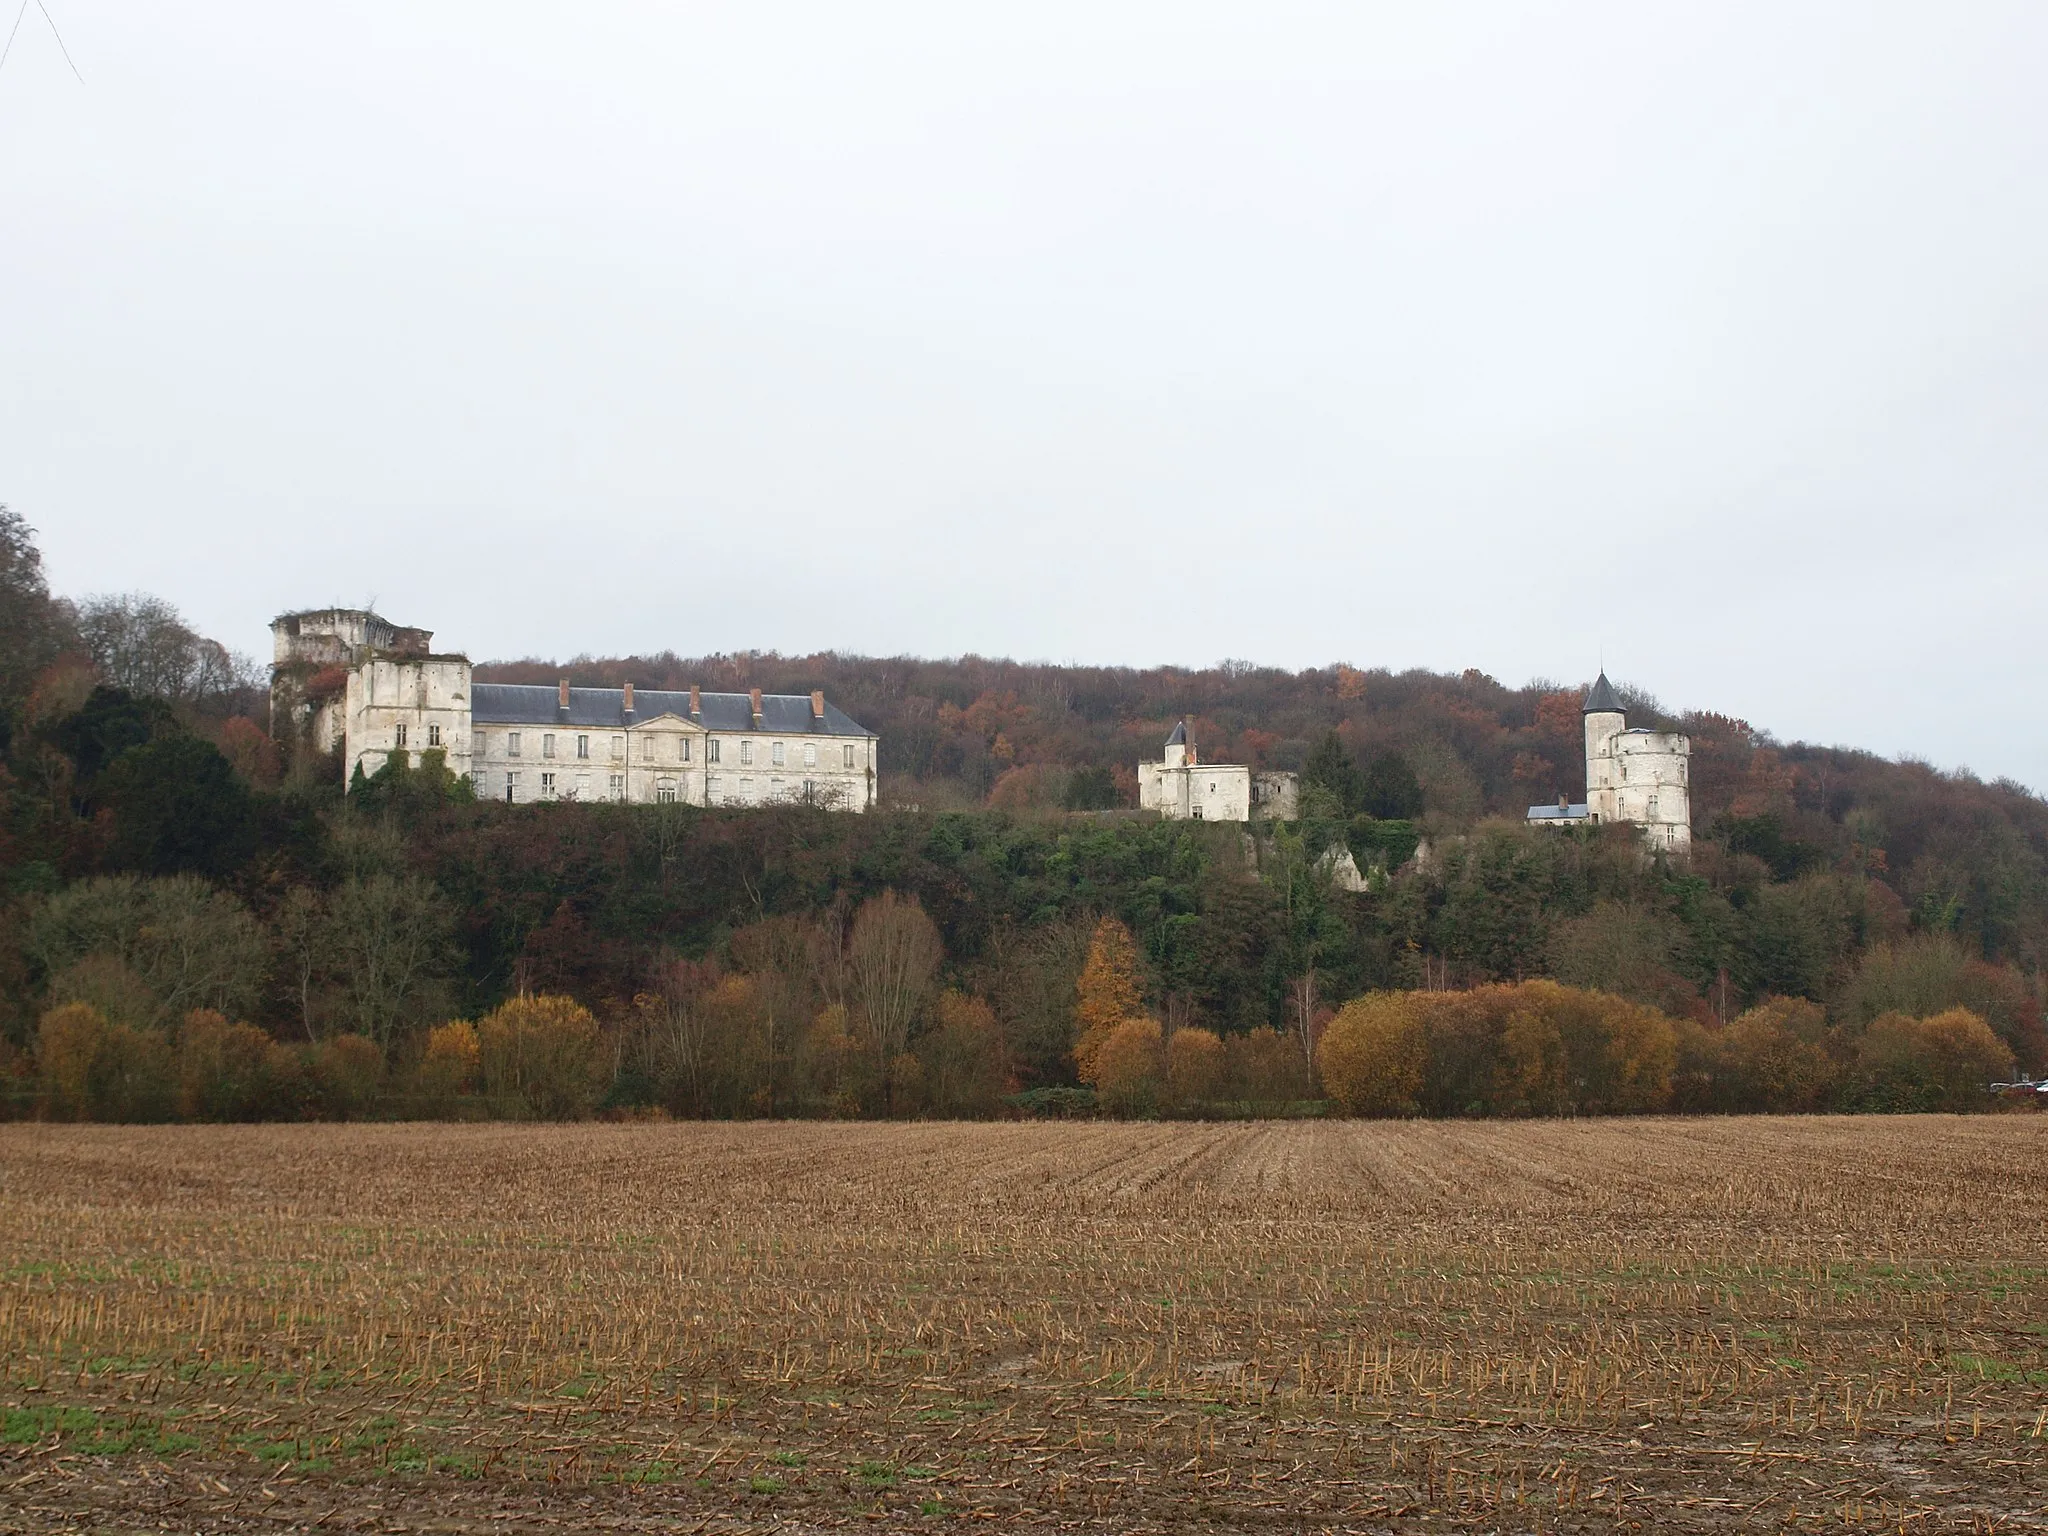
x=1991, y=1368
x=86, y=1433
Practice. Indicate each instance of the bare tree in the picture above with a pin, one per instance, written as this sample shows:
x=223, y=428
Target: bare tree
x=388, y=948
x=142, y=643
x=298, y=932
x=34, y=627
x=680, y=1026
x=892, y=960
x=190, y=945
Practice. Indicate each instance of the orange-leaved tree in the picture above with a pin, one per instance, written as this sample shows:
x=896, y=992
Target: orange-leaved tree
x=1129, y=1068
x=1374, y=1054
x=1195, y=1066
x=1111, y=991
x=542, y=1058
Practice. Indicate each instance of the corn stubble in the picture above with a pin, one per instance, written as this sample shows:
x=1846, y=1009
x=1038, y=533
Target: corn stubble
x=1712, y=1324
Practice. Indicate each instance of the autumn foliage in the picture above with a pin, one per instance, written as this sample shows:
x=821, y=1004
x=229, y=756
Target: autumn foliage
x=1545, y=1049
x=1109, y=994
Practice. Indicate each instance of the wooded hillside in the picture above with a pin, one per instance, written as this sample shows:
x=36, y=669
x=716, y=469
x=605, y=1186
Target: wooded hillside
x=159, y=855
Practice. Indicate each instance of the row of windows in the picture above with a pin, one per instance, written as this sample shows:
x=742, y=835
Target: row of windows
x=651, y=748
x=665, y=791
x=433, y=735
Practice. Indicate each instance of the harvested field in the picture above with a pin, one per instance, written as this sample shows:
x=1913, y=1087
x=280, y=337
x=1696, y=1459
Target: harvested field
x=1656, y=1324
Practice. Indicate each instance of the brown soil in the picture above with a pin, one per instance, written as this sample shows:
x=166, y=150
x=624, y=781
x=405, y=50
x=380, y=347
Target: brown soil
x=1657, y=1324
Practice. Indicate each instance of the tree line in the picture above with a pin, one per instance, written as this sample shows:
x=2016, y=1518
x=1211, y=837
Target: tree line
x=171, y=873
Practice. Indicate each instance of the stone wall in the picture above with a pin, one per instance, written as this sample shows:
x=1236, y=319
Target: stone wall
x=401, y=704
x=671, y=758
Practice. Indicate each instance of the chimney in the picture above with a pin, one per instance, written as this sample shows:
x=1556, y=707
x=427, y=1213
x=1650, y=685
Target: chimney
x=755, y=695
x=1564, y=800
x=817, y=706
x=562, y=703
x=629, y=704
x=696, y=702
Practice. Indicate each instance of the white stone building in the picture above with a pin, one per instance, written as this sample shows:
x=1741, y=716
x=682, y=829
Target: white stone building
x=693, y=748
x=1638, y=776
x=314, y=655
x=521, y=743
x=1182, y=788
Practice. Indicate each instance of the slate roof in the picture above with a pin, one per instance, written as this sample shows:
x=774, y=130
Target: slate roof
x=782, y=714
x=1559, y=812
x=1601, y=699
x=1179, y=738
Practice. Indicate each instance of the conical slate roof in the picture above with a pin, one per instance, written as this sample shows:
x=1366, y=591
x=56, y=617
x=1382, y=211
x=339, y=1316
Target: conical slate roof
x=1601, y=699
x=1179, y=738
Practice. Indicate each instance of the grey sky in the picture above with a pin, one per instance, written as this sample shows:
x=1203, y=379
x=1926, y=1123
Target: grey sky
x=1710, y=337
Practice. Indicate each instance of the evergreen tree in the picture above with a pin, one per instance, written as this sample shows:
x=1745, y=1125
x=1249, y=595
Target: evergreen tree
x=1330, y=767
x=1389, y=789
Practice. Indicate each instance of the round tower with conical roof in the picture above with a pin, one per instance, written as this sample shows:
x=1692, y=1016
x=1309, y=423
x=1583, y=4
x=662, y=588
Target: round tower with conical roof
x=1640, y=776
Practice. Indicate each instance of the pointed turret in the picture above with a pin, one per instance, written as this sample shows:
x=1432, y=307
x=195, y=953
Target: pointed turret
x=1601, y=698
x=1178, y=754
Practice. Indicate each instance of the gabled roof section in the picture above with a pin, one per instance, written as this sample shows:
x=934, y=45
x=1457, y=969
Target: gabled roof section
x=782, y=714
x=1179, y=738
x=1601, y=698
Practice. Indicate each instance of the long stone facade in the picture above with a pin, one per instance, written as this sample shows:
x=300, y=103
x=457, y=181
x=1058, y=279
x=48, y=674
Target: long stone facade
x=347, y=678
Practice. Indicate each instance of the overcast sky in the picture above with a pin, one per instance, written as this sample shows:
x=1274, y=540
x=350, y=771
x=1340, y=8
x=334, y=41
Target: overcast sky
x=1708, y=338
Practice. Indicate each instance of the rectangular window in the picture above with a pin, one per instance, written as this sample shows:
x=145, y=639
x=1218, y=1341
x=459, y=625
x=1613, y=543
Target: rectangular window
x=665, y=793
x=511, y=743
x=746, y=749
x=618, y=748
x=547, y=745
x=810, y=754
x=683, y=750
x=511, y=787
x=433, y=735
x=777, y=754
x=849, y=756
x=746, y=789
x=711, y=754
x=650, y=747
x=583, y=746
x=547, y=786
x=618, y=786
x=582, y=786
x=401, y=735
